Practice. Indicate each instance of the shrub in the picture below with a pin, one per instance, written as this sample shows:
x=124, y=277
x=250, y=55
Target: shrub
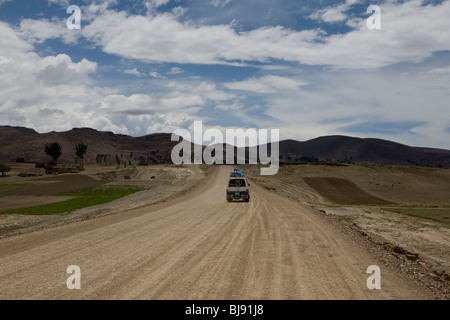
x=4, y=169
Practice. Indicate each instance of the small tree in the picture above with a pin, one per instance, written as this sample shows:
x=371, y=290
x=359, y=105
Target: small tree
x=53, y=150
x=4, y=169
x=80, y=150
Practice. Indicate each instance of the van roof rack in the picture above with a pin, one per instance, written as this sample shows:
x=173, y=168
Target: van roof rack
x=237, y=173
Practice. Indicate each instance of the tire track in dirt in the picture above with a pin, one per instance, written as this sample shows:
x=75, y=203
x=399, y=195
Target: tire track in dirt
x=312, y=197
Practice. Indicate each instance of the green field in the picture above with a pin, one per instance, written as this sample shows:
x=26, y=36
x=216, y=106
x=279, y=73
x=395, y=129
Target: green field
x=13, y=186
x=441, y=214
x=82, y=198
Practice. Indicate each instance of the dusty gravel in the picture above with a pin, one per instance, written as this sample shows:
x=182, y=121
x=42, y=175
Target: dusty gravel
x=198, y=246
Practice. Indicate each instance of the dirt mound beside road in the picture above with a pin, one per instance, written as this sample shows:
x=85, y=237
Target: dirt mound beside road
x=342, y=191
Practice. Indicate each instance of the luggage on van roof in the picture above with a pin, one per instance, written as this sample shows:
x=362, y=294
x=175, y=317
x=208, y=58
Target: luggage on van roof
x=237, y=173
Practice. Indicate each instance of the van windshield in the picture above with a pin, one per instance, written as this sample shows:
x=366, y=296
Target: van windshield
x=236, y=183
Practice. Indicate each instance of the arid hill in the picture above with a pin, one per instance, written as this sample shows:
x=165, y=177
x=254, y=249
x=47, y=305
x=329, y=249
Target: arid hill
x=358, y=150
x=24, y=144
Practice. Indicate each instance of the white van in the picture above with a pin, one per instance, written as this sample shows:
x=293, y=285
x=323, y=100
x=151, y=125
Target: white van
x=238, y=186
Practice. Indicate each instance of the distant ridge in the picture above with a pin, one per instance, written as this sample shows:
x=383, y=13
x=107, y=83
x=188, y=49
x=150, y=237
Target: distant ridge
x=25, y=144
x=104, y=147
x=362, y=150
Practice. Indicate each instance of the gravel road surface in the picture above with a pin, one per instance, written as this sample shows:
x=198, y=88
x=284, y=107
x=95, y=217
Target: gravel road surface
x=197, y=246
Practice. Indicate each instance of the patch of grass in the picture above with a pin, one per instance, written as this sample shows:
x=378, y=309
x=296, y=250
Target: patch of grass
x=441, y=214
x=83, y=198
x=12, y=186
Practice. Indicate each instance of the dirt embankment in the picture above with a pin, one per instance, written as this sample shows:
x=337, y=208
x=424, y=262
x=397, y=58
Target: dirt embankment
x=342, y=191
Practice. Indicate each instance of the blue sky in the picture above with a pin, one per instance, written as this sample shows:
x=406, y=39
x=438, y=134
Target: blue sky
x=308, y=68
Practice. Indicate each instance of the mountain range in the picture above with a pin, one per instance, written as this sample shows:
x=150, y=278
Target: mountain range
x=20, y=144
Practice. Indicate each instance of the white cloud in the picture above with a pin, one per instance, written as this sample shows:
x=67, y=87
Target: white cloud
x=154, y=4
x=155, y=74
x=334, y=13
x=135, y=72
x=56, y=93
x=159, y=3
x=60, y=2
x=141, y=104
x=11, y=42
x=410, y=32
x=221, y=3
x=337, y=100
x=266, y=84
x=230, y=107
x=38, y=31
x=445, y=70
x=60, y=70
x=175, y=70
x=179, y=11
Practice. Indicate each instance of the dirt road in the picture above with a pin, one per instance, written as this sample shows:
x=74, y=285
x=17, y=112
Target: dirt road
x=197, y=246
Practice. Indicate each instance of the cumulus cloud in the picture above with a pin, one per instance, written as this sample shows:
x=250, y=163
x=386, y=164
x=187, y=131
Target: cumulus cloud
x=60, y=2
x=46, y=112
x=11, y=42
x=266, y=84
x=158, y=3
x=175, y=70
x=61, y=70
x=221, y=3
x=57, y=93
x=410, y=32
x=333, y=14
x=156, y=74
x=445, y=70
x=230, y=107
x=152, y=5
x=385, y=98
x=135, y=72
x=47, y=93
x=179, y=11
x=38, y=31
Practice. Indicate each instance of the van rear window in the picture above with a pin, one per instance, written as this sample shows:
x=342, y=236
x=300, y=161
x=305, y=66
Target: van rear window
x=236, y=183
